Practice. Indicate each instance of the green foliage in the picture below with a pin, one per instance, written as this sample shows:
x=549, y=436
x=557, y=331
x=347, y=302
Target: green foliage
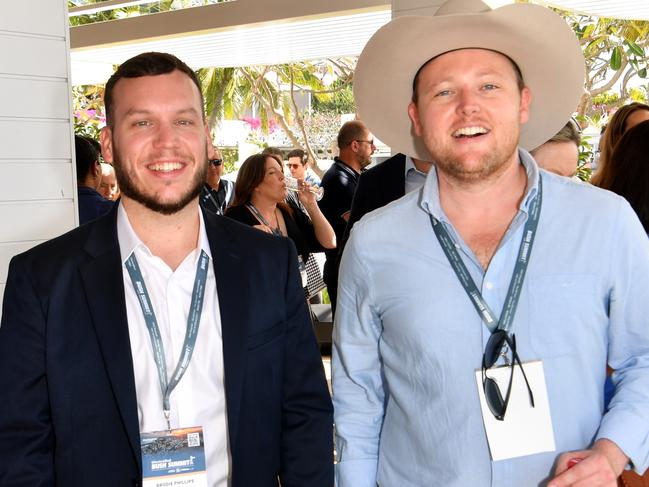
x=340, y=102
x=584, y=169
x=607, y=98
x=132, y=11
x=119, y=13
x=230, y=157
x=272, y=93
x=639, y=94
x=88, y=110
x=616, y=58
x=616, y=52
x=230, y=92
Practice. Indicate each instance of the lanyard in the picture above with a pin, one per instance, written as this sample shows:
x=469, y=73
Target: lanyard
x=209, y=196
x=257, y=213
x=193, y=320
x=516, y=283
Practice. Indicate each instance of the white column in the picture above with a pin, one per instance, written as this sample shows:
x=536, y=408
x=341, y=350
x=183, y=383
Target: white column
x=37, y=176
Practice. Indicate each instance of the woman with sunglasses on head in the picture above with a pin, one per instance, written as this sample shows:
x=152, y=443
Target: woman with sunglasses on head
x=260, y=201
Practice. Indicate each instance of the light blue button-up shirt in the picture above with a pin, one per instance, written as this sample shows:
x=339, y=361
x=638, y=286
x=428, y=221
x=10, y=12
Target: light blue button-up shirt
x=407, y=340
x=414, y=177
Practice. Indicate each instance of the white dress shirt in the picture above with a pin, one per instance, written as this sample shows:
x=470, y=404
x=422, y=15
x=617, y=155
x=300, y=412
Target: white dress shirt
x=199, y=398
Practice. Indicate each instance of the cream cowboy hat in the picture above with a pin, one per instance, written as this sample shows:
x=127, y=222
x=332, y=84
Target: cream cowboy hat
x=540, y=42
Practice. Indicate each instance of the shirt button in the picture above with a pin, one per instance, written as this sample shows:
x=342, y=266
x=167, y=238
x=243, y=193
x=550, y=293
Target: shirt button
x=489, y=285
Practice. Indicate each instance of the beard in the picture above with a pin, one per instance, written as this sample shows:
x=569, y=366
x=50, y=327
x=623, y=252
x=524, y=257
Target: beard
x=366, y=161
x=479, y=167
x=129, y=188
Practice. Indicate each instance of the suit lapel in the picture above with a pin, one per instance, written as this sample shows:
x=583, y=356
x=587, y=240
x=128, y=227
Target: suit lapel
x=104, y=288
x=230, y=286
x=399, y=190
x=107, y=306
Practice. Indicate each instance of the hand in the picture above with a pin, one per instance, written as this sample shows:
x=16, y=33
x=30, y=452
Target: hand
x=598, y=467
x=305, y=195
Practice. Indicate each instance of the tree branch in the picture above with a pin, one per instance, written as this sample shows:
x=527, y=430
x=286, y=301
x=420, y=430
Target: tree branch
x=300, y=123
x=607, y=86
x=627, y=77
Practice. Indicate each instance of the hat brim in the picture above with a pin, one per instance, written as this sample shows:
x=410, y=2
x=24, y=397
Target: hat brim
x=535, y=38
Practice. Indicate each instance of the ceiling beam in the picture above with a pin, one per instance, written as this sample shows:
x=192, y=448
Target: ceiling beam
x=211, y=18
x=93, y=8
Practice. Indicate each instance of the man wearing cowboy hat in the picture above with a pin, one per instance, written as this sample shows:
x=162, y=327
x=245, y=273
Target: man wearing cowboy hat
x=471, y=345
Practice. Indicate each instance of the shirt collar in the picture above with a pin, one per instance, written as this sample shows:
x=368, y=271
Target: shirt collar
x=429, y=199
x=346, y=167
x=129, y=240
x=410, y=165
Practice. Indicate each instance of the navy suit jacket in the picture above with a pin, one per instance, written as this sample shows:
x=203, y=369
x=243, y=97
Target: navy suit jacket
x=377, y=187
x=68, y=407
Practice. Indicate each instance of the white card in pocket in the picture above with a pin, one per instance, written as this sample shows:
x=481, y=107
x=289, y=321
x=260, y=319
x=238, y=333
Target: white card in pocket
x=525, y=430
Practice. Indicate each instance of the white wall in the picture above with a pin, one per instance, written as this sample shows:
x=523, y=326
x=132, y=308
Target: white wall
x=37, y=188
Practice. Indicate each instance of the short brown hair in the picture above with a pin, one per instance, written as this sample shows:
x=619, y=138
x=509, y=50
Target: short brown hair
x=146, y=64
x=415, y=82
x=274, y=151
x=570, y=132
x=298, y=153
x=351, y=131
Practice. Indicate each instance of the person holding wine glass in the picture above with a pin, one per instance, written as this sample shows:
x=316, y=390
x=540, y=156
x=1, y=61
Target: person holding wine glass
x=260, y=201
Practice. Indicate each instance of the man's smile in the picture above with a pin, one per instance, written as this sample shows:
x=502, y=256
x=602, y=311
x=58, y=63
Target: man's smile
x=165, y=166
x=472, y=131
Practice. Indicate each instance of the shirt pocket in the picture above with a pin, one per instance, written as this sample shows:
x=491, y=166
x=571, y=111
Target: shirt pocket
x=564, y=313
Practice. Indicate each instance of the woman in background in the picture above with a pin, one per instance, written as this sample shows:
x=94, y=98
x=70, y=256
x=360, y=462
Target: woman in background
x=627, y=174
x=626, y=117
x=260, y=202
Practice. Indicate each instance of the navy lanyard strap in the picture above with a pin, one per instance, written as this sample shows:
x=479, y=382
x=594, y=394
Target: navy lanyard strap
x=518, y=276
x=193, y=322
x=260, y=217
x=210, y=196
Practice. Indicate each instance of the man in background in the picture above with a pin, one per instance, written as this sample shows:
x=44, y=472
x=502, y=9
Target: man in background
x=384, y=183
x=217, y=193
x=298, y=165
x=92, y=205
x=560, y=154
x=356, y=146
x=108, y=186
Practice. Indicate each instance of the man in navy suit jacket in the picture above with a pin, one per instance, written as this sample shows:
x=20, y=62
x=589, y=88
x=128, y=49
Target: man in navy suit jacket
x=378, y=186
x=72, y=396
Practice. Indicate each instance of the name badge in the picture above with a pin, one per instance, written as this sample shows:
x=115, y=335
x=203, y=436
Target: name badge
x=525, y=430
x=173, y=458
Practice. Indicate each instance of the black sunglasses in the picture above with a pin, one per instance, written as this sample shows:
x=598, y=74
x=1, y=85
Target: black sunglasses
x=371, y=141
x=216, y=162
x=494, y=398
